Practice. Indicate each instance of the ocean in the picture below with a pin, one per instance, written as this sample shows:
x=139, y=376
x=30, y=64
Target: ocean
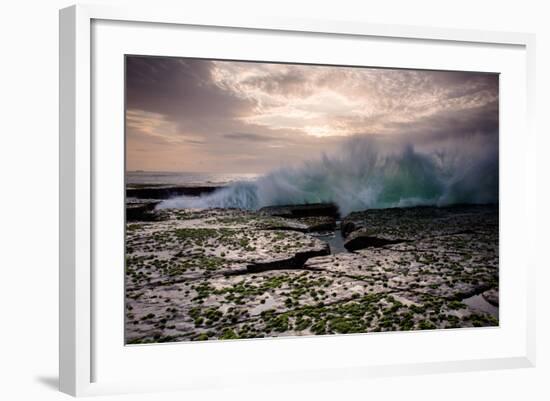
x=185, y=178
x=364, y=174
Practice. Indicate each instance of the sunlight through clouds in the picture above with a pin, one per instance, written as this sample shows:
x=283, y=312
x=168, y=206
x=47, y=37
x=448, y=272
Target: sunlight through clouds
x=236, y=113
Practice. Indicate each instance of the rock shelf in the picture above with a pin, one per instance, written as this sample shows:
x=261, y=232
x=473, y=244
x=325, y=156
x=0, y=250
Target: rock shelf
x=228, y=274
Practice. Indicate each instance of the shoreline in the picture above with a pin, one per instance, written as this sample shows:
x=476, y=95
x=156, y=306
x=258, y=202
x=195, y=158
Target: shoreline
x=167, y=191
x=195, y=274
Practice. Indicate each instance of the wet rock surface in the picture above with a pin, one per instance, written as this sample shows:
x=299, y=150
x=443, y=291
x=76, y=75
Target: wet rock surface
x=297, y=211
x=227, y=273
x=142, y=210
x=166, y=191
x=491, y=296
x=362, y=238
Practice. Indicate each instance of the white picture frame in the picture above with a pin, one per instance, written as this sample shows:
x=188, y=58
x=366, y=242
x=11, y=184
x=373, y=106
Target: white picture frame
x=81, y=347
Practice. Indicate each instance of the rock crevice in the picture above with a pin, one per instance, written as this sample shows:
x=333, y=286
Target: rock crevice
x=295, y=262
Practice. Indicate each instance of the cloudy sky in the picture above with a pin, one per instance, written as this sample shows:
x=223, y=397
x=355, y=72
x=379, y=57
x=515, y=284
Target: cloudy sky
x=241, y=117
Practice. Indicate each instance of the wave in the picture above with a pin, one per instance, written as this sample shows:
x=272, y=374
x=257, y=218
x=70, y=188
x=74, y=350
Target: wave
x=371, y=172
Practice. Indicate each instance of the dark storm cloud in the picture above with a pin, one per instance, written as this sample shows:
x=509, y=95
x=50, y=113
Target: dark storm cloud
x=481, y=120
x=175, y=86
x=247, y=136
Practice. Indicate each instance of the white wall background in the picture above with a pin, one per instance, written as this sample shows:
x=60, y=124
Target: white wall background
x=29, y=196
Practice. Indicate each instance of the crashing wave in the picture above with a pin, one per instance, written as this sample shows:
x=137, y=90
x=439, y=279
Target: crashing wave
x=371, y=172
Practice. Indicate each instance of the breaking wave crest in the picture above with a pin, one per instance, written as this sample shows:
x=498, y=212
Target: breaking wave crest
x=372, y=172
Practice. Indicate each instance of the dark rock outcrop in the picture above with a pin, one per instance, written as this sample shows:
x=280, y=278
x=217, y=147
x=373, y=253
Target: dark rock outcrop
x=298, y=211
x=295, y=262
x=166, y=191
x=304, y=224
x=363, y=239
x=491, y=296
x=419, y=221
x=347, y=227
x=141, y=211
x=319, y=223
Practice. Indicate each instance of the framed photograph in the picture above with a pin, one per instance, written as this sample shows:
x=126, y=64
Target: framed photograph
x=276, y=199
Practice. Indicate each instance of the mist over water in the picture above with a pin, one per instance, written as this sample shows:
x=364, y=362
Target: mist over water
x=372, y=172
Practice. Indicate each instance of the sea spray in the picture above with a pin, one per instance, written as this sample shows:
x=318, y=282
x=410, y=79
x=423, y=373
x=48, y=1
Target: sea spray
x=371, y=172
